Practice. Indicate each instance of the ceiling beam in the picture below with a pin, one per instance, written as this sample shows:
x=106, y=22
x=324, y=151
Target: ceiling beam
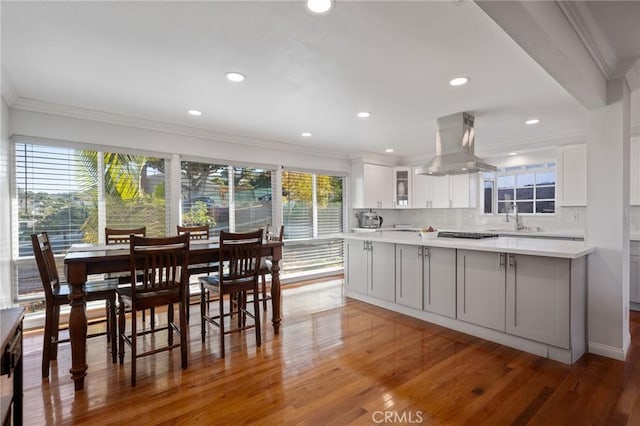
x=544, y=32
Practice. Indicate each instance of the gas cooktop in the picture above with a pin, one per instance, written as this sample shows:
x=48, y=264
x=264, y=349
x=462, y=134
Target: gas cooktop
x=472, y=235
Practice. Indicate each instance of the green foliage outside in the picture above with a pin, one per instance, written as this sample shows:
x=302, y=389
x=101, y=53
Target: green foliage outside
x=198, y=215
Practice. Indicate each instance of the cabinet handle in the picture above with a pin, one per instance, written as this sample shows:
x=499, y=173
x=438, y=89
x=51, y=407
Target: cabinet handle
x=501, y=261
x=426, y=251
x=419, y=251
x=512, y=261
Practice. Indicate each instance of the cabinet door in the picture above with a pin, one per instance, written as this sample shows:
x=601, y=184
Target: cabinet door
x=370, y=182
x=384, y=185
x=572, y=176
x=538, y=304
x=634, y=279
x=440, y=192
x=357, y=266
x=409, y=275
x=481, y=288
x=421, y=191
x=440, y=281
x=402, y=187
x=382, y=282
x=463, y=190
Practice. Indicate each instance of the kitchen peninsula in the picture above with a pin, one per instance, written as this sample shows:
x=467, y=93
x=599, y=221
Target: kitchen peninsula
x=526, y=293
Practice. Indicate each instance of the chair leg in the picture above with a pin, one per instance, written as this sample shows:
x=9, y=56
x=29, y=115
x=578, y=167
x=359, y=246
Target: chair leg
x=169, y=322
x=221, y=300
x=55, y=334
x=202, y=311
x=121, y=330
x=256, y=314
x=134, y=344
x=183, y=333
x=112, y=328
x=264, y=292
x=152, y=313
x=46, y=347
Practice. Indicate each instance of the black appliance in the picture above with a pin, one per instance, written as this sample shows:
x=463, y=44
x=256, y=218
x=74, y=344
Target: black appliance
x=471, y=235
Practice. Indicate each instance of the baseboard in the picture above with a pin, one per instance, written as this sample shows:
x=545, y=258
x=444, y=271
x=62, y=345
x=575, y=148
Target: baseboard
x=610, y=351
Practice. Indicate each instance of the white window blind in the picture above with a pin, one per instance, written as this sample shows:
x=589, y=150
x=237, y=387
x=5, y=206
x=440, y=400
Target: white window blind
x=252, y=195
x=68, y=192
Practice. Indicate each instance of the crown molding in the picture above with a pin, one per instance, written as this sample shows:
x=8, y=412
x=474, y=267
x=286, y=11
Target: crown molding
x=9, y=92
x=587, y=28
x=33, y=105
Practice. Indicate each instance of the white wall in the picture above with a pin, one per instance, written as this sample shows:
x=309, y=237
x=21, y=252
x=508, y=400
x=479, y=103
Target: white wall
x=5, y=211
x=203, y=145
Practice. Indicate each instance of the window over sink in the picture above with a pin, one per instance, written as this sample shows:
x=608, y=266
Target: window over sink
x=532, y=188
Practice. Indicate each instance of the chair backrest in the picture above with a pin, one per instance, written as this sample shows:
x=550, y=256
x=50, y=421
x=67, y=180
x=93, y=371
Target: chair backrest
x=46, y=263
x=122, y=236
x=275, y=237
x=240, y=253
x=195, y=232
x=159, y=263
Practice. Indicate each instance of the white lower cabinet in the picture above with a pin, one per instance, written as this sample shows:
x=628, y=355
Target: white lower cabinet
x=481, y=288
x=357, y=266
x=535, y=303
x=371, y=269
x=538, y=299
x=409, y=266
x=426, y=278
x=382, y=277
x=440, y=281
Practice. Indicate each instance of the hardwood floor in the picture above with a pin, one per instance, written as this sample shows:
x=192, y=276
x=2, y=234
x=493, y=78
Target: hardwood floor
x=337, y=361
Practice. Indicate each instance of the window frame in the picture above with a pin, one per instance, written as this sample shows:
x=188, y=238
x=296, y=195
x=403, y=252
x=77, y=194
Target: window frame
x=517, y=171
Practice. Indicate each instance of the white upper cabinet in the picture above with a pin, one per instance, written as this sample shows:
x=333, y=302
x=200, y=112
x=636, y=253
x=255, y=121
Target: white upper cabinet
x=634, y=172
x=439, y=192
x=372, y=186
x=402, y=187
x=572, y=176
x=463, y=190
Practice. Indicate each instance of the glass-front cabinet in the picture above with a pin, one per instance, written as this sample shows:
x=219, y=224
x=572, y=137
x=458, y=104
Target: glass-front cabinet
x=402, y=187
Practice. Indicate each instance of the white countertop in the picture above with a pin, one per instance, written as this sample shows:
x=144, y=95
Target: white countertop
x=529, y=246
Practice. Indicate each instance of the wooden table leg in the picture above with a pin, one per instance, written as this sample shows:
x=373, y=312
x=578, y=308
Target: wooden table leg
x=276, y=301
x=78, y=327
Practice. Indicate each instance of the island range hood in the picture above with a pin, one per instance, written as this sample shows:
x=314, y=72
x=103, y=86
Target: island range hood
x=454, y=148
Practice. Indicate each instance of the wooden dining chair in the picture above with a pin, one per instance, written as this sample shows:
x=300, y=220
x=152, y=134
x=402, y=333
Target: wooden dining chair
x=161, y=281
x=239, y=258
x=267, y=264
x=57, y=295
x=197, y=233
x=123, y=236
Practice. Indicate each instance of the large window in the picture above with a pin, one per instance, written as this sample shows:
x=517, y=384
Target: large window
x=530, y=188
x=312, y=206
x=208, y=198
x=73, y=193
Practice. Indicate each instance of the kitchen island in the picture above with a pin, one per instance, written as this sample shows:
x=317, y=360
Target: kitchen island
x=526, y=293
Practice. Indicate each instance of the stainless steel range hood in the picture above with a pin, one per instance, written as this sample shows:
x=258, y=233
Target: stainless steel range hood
x=454, y=148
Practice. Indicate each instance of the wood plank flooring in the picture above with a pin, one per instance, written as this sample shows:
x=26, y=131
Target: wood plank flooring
x=337, y=361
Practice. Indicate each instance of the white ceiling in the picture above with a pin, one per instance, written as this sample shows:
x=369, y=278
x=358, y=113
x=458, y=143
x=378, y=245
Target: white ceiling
x=304, y=72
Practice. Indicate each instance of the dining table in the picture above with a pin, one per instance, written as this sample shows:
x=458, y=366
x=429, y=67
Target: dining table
x=83, y=260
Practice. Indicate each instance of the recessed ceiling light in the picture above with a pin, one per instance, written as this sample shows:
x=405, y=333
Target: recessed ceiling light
x=195, y=112
x=319, y=6
x=364, y=114
x=388, y=150
x=458, y=81
x=533, y=121
x=464, y=169
x=236, y=77
x=513, y=153
x=305, y=134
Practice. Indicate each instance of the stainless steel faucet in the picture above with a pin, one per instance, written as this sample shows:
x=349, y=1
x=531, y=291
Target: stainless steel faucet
x=518, y=223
